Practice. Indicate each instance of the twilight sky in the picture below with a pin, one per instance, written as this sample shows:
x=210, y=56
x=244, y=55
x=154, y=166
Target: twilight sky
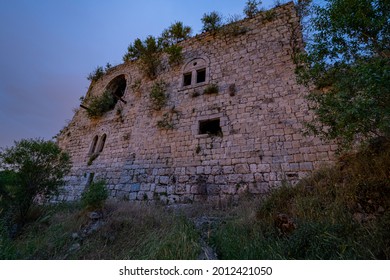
x=48, y=48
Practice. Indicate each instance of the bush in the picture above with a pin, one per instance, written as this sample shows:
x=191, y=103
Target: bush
x=99, y=105
x=176, y=33
x=32, y=169
x=211, y=22
x=251, y=8
x=210, y=89
x=175, y=55
x=346, y=67
x=95, y=196
x=157, y=95
x=147, y=53
x=96, y=74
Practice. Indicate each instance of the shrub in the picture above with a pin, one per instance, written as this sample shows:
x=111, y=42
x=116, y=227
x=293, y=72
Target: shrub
x=210, y=89
x=175, y=55
x=157, y=95
x=166, y=122
x=95, y=196
x=251, y=8
x=346, y=66
x=147, y=53
x=211, y=22
x=32, y=168
x=176, y=33
x=96, y=74
x=98, y=105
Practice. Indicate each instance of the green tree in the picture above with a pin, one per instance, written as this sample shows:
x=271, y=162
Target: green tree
x=31, y=168
x=347, y=66
x=211, y=22
x=174, y=34
x=252, y=8
x=147, y=53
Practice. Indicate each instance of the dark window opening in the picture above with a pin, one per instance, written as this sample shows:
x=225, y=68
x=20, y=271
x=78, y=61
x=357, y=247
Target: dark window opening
x=93, y=146
x=210, y=127
x=201, y=75
x=90, y=179
x=102, y=142
x=187, y=77
x=117, y=87
x=120, y=88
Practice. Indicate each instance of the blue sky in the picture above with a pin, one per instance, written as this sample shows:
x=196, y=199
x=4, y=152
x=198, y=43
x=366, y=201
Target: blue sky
x=48, y=48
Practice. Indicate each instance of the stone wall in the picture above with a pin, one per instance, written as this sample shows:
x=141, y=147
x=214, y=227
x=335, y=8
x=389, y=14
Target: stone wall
x=200, y=146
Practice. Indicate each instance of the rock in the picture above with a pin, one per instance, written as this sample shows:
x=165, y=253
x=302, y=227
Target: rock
x=358, y=217
x=95, y=215
x=75, y=235
x=380, y=210
x=74, y=247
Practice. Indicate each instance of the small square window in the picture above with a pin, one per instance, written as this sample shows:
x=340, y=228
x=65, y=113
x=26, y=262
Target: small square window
x=201, y=75
x=210, y=127
x=187, y=77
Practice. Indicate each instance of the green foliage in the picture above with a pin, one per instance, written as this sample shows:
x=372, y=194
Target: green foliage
x=176, y=33
x=147, y=53
x=130, y=231
x=31, y=168
x=96, y=74
x=166, y=122
x=211, y=22
x=92, y=158
x=347, y=61
x=94, y=196
x=98, y=105
x=158, y=96
x=175, y=55
x=252, y=8
x=340, y=212
x=99, y=72
x=210, y=89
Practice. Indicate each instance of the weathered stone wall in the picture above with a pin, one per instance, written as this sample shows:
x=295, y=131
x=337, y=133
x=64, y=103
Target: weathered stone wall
x=260, y=107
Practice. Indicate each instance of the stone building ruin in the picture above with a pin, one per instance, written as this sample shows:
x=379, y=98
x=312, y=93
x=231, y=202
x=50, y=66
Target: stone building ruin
x=231, y=123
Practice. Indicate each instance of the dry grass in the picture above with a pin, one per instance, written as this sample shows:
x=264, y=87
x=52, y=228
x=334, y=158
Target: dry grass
x=337, y=213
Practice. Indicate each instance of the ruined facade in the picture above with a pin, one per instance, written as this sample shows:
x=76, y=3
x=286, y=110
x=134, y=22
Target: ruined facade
x=231, y=123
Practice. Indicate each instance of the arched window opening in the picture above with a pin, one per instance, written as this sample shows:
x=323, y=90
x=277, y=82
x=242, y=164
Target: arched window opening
x=117, y=87
x=195, y=73
x=93, y=145
x=101, y=143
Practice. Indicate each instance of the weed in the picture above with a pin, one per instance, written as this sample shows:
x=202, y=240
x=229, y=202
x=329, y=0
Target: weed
x=157, y=95
x=96, y=74
x=92, y=158
x=210, y=89
x=99, y=105
x=166, y=122
x=94, y=196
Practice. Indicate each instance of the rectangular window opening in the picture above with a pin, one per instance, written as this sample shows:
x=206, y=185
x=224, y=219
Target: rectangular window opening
x=210, y=127
x=187, y=77
x=201, y=75
x=90, y=179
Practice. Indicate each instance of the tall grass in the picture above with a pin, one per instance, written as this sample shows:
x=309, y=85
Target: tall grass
x=140, y=231
x=340, y=212
x=127, y=231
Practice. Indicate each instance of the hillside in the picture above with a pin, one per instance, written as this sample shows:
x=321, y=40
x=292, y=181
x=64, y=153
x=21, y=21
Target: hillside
x=340, y=212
